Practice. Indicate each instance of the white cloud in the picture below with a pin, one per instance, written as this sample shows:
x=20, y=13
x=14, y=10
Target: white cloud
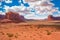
x=14, y=8
x=41, y=7
x=8, y=1
x=2, y=13
x=33, y=16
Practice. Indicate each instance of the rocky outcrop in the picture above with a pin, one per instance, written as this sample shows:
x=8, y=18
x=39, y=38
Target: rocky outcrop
x=15, y=17
x=50, y=17
x=11, y=17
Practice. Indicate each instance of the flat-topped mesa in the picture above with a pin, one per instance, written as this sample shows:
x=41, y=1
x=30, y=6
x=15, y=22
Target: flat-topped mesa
x=50, y=17
x=15, y=17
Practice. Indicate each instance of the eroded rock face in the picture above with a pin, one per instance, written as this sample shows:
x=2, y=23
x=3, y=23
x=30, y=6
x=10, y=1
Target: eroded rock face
x=15, y=17
x=50, y=17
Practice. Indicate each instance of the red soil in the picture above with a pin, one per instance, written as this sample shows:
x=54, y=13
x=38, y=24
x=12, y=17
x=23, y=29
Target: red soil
x=28, y=32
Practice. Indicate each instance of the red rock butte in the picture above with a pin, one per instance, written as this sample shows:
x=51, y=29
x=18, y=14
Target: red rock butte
x=50, y=17
x=13, y=16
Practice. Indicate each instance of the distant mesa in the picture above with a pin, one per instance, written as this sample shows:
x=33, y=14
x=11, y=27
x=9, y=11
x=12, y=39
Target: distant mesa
x=50, y=17
x=15, y=17
x=12, y=17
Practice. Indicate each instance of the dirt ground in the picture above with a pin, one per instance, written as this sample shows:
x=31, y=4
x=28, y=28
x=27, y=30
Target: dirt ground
x=20, y=31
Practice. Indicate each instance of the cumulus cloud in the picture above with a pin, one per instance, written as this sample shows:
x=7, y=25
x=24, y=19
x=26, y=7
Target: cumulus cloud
x=14, y=8
x=19, y=9
x=8, y=1
x=2, y=13
x=38, y=9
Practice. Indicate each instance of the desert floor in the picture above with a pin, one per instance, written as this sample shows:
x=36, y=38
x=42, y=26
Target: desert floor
x=30, y=31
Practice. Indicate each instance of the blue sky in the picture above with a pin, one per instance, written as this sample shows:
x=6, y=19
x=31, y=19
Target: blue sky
x=57, y=3
x=14, y=3
x=17, y=3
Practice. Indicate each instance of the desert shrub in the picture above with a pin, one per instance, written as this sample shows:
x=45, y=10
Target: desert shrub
x=16, y=36
x=10, y=35
x=2, y=33
x=48, y=32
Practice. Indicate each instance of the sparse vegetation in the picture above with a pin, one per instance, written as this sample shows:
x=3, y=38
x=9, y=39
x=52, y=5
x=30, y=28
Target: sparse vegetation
x=25, y=31
x=16, y=36
x=2, y=33
x=9, y=35
x=48, y=32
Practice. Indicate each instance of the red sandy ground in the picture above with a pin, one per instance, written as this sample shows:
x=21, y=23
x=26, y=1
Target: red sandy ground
x=28, y=32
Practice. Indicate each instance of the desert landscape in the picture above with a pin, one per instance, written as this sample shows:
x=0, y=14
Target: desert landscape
x=15, y=27
x=30, y=30
x=29, y=19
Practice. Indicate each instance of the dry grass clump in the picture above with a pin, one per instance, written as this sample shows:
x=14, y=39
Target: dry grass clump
x=2, y=33
x=48, y=32
x=10, y=35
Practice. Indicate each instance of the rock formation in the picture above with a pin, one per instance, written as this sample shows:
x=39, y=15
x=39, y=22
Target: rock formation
x=50, y=17
x=15, y=17
x=11, y=17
